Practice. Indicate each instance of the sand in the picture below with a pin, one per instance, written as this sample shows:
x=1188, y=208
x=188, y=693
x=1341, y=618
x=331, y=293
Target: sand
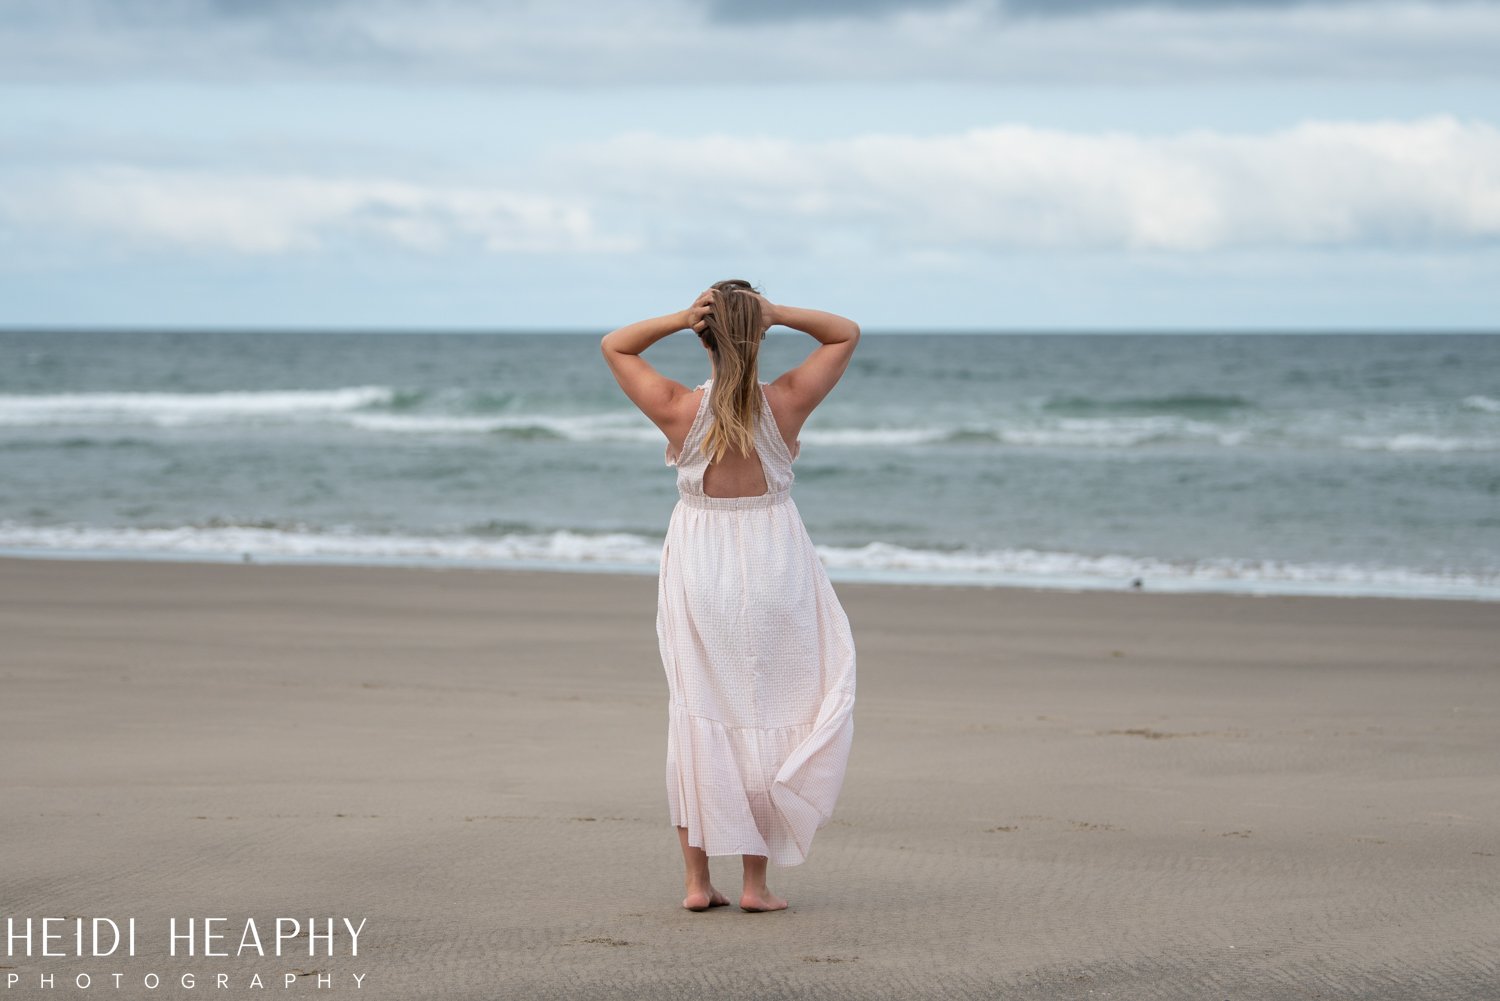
x=1050, y=795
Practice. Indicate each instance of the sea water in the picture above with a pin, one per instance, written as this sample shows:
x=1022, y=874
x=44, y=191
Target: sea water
x=1271, y=463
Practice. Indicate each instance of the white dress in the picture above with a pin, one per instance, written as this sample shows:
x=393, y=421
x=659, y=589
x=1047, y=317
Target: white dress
x=759, y=661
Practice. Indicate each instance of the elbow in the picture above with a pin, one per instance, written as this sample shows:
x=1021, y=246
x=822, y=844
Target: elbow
x=853, y=332
x=607, y=352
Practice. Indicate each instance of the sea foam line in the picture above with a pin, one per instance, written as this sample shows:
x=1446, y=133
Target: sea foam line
x=1486, y=404
x=367, y=408
x=632, y=553
x=268, y=543
x=1411, y=442
x=168, y=409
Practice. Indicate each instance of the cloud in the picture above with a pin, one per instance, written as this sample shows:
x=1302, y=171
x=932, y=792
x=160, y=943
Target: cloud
x=1400, y=185
x=1418, y=184
x=734, y=12
x=594, y=42
x=259, y=214
x=801, y=10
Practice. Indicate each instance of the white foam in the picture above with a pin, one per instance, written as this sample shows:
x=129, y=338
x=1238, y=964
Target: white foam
x=1037, y=568
x=237, y=541
x=1111, y=432
x=1488, y=404
x=172, y=409
x=627, y=552
x=1071, y=432
x=1419, y=443
x=581, y=427
x=342, y=407
x=360, y=408
x=872, y=437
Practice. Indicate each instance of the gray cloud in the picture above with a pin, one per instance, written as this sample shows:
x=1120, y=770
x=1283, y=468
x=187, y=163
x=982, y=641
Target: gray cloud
x=1418, y=185
x=251, y=213
x=594, y=42
x=1430, y=183
x=1073, y=8
x=740, y=11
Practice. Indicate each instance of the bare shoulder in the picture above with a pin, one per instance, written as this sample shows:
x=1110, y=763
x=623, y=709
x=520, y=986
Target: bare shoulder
x=679, y=413
x=787, y=420
x=803, y=388
x=668, y=401
x=686, y=403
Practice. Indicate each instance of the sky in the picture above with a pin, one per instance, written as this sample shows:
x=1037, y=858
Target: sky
x=914, y=164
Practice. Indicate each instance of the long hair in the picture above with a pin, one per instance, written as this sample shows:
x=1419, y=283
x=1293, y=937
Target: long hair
x=732, y=333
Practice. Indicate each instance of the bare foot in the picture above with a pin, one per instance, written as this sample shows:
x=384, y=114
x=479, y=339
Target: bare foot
x=761, y=900
x=702, y=900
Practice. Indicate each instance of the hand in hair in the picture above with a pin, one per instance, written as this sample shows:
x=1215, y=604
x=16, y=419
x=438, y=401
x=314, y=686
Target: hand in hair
x=701, y=307
x=768, y=317
x=768, y=314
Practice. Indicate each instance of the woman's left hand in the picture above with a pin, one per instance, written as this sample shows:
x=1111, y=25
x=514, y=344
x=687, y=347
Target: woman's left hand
x=768, y=316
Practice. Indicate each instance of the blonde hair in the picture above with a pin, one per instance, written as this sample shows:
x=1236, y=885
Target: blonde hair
x=732, y=333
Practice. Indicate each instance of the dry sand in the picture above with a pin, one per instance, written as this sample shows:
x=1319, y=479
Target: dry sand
x=1051, y=795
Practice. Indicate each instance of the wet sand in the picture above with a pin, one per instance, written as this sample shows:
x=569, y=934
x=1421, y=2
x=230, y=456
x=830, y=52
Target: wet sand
x=1050, y=795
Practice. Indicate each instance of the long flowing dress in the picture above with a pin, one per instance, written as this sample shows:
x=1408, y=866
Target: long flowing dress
x=759, y=661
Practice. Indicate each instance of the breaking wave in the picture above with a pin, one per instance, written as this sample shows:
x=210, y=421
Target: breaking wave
x=1071, y=422
x=636, y=553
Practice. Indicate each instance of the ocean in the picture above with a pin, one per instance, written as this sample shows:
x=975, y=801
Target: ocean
x=1343, y=464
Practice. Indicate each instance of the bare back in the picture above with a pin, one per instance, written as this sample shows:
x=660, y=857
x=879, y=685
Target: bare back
x=765, y=470
x=738, y=475
x=735, y=475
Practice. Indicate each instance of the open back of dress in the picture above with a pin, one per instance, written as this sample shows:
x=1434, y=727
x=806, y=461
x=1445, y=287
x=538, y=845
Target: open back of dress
x=759, y=660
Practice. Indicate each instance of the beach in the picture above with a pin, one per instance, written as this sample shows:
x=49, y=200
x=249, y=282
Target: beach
x=1051, y=794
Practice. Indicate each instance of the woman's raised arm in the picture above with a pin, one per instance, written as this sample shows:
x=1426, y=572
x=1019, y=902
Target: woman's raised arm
x=805, y=386
x=647, y=388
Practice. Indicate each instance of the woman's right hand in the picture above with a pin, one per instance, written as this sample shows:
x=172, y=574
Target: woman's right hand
x=701, y=307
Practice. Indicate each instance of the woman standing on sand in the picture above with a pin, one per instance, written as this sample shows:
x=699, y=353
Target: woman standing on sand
x=757, y=650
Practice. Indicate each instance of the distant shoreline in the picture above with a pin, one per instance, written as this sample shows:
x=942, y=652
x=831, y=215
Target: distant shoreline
x=880, y=579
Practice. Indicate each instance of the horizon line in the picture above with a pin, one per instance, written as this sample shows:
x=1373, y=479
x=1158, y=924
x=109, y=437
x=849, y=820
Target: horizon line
x=177, y=328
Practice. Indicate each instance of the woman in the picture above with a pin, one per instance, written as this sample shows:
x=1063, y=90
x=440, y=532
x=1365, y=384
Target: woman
x=757, y=650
